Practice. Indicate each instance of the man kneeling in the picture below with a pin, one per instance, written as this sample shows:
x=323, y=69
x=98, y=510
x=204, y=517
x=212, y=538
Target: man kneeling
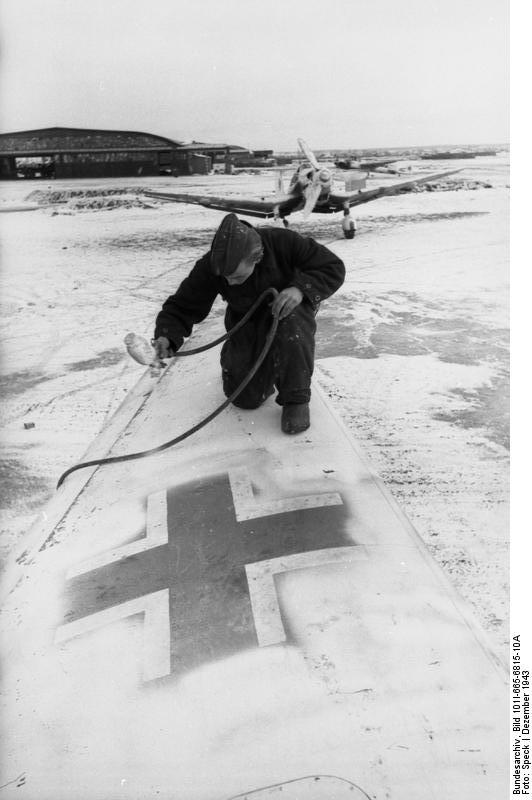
x=242, y=263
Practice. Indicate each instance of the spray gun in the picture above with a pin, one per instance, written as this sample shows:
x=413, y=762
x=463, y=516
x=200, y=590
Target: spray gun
x=143, y=353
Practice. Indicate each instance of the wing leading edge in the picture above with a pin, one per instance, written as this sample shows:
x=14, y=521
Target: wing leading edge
x=238, y=205
x=357, y=198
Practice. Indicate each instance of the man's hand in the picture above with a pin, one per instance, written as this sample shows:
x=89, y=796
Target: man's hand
x=163, y=347
x=286, y=301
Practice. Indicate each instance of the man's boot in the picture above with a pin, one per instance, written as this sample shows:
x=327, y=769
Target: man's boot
x=295, y=418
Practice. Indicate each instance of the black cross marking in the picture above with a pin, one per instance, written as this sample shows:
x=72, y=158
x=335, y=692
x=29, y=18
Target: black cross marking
x=203, y=566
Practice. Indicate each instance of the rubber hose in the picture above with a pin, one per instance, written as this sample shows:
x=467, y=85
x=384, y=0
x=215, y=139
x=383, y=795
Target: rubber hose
x=206, y=420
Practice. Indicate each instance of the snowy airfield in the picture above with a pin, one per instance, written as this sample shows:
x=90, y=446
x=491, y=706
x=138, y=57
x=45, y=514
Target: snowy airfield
x=412, y=351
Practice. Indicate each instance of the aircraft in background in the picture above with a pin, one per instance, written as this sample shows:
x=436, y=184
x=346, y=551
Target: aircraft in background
x=310, y=191
x=364, y=166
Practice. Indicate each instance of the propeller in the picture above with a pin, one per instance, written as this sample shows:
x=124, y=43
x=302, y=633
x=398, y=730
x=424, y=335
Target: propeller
x=311, y=194
x=314, y=181
x=307, y=152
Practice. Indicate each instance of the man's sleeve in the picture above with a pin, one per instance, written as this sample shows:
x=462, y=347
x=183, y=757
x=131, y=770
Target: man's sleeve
x=189, y=305
x=318, y=272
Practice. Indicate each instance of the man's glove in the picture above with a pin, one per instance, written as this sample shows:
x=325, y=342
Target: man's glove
x=286, y=301
x=164, y=348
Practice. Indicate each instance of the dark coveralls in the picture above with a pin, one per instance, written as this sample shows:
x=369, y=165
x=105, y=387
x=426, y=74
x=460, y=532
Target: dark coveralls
x=289, y=260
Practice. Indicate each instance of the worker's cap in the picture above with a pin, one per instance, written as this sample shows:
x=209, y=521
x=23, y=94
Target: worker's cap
x=233, y=241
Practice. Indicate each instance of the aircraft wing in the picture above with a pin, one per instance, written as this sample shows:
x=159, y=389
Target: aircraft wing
x=251, y=207
x=364, y=165
x=248, y=614
x=337, y=200
x=360, y=164
x=372, y=165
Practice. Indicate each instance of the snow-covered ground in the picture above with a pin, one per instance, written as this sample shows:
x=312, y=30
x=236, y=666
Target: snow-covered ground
x=412, y=351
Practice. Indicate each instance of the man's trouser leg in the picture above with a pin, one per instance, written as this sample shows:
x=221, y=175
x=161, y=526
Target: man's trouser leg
x=239, y=353
x=289, y=363
x=294, y=355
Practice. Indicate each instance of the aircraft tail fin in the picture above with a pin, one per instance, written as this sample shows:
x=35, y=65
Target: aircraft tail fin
x=355, y=181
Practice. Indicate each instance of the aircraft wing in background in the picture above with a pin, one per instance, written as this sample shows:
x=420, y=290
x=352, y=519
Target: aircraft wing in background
x=339, y=201
x=371, y=166
x=274, y=207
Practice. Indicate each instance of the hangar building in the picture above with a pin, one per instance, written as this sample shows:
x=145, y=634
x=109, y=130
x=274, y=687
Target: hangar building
x=87, y=153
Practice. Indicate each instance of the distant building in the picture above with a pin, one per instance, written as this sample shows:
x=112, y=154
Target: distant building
x=226, y=154
x=86, y=153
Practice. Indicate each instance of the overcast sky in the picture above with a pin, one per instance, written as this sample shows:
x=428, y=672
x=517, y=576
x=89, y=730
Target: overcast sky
x=339, y=73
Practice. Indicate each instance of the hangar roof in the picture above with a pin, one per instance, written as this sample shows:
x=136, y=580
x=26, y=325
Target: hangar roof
x=46, y=141
x=222, y=148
